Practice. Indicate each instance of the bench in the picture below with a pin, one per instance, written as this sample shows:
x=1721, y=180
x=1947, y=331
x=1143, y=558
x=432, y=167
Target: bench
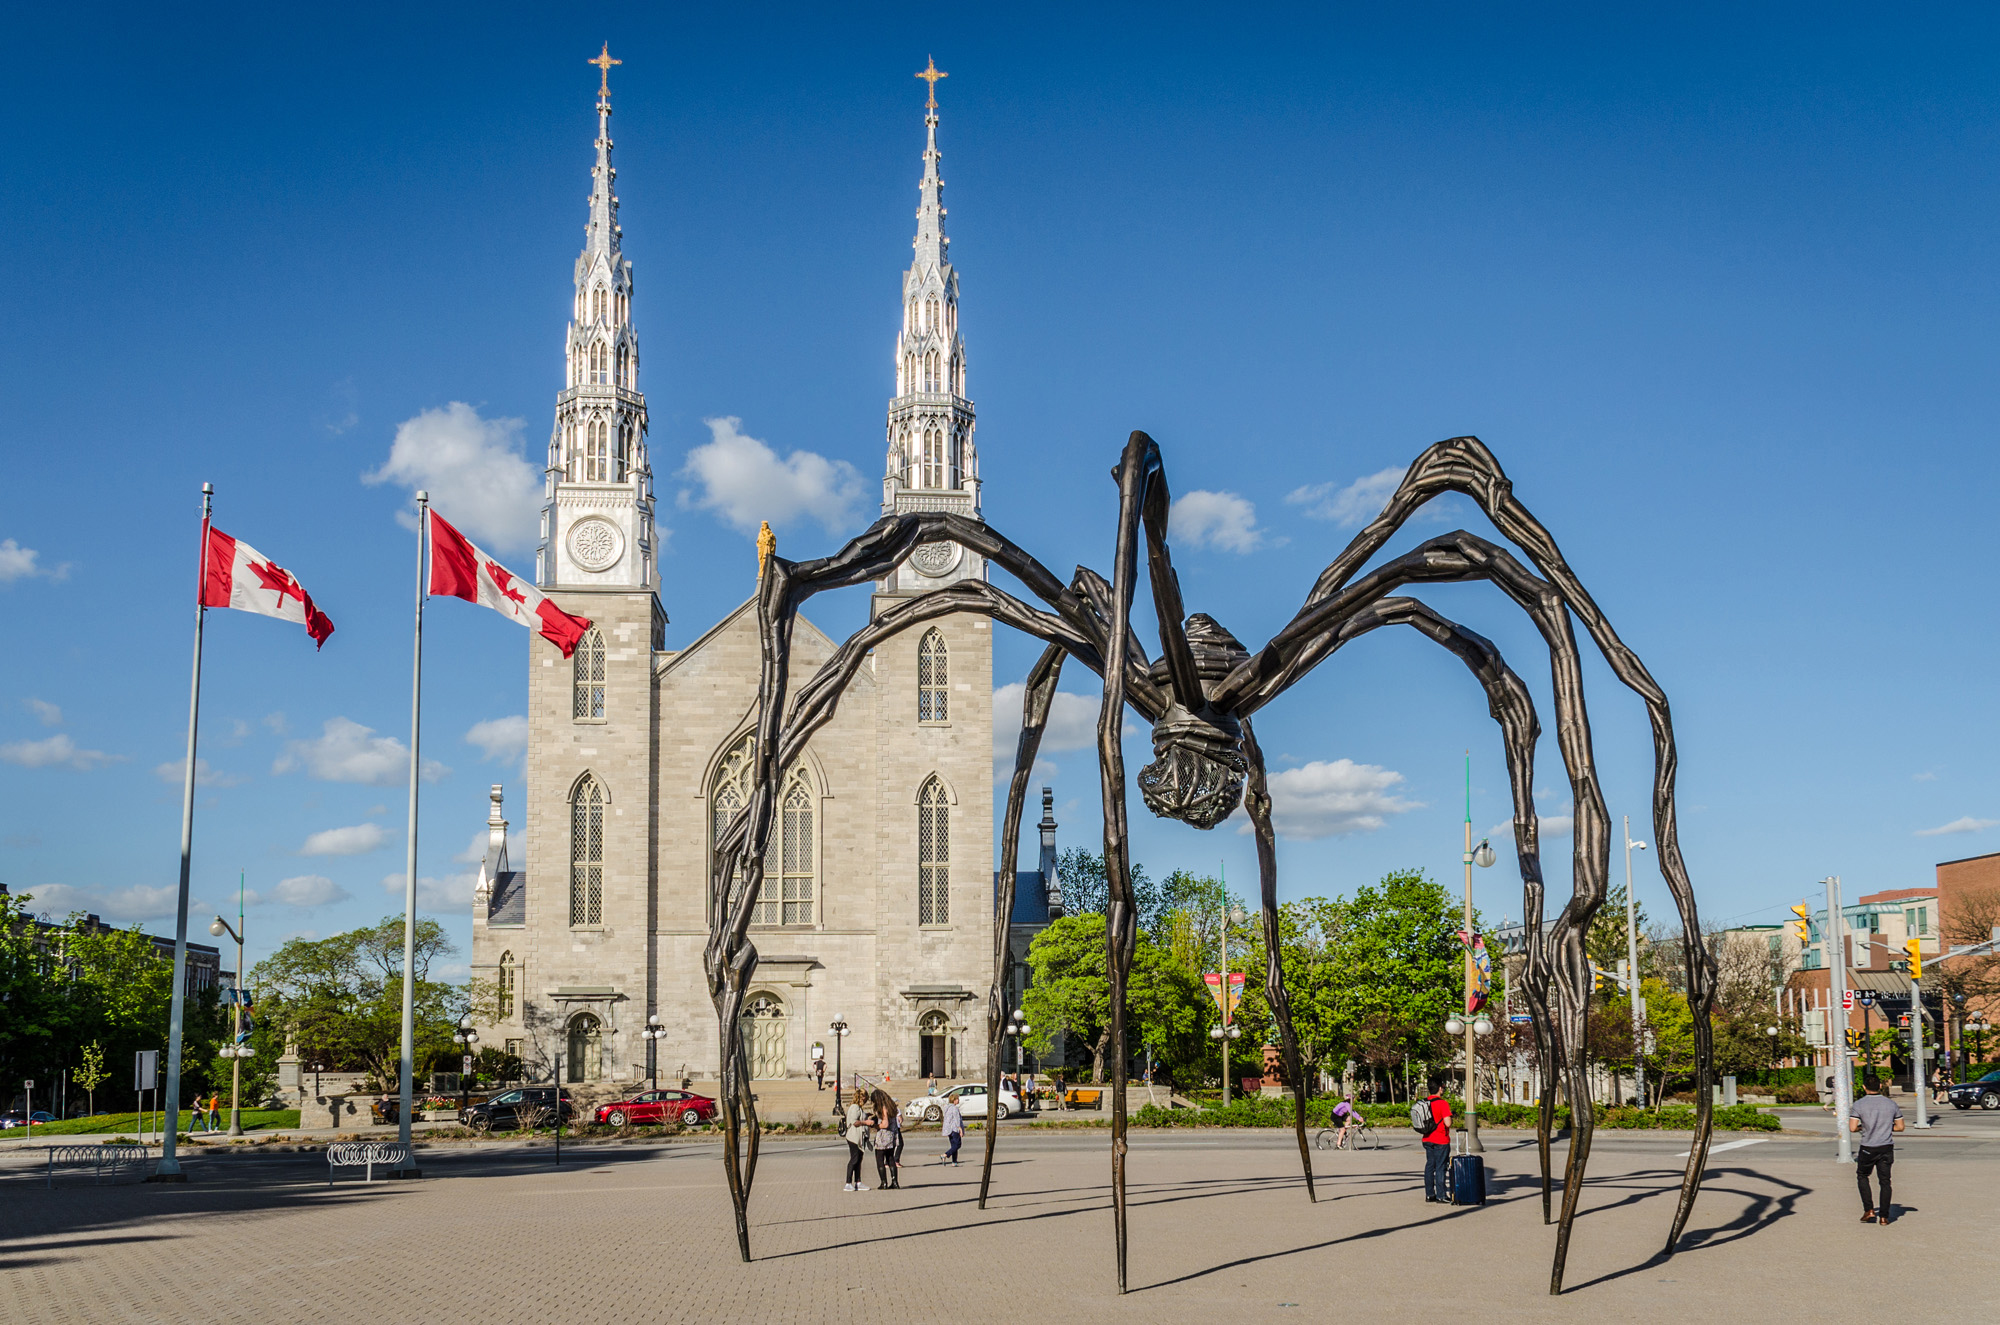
x=101, y=1158
x=364, y=1155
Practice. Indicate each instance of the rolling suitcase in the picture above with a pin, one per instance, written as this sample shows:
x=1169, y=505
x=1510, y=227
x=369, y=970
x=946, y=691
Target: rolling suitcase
x=1468, y=1180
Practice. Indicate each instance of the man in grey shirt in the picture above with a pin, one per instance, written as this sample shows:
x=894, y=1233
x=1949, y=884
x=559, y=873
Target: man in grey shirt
x=1877, y=1118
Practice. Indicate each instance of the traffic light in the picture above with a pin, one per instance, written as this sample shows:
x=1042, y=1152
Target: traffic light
x=1914, y=946
x=1803, y=925
x=1596, y=979
x=1853, y=1039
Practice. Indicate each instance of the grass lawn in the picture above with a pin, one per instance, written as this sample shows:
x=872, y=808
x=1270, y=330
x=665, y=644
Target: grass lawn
x=127, y=1124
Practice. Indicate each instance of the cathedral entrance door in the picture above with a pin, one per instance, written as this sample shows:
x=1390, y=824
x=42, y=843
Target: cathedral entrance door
x=764, y=1036
x=585, y=1048
x=934, y=1042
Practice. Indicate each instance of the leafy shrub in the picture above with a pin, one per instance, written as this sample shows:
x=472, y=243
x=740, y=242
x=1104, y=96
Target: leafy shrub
x=1798, y=1092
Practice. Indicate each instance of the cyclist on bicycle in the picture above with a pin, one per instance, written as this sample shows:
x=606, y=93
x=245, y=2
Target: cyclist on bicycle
x=1344, y=1112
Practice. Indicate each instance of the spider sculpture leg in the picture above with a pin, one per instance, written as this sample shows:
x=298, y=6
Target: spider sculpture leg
x=1139, y=485
x=1041, y=690
x=1464, y=464
x=1257, y=800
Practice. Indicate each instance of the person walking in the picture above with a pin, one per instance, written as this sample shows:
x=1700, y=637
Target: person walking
x=1435, y=1110
x=954, y=1130
x=885, y=1137
x=1878, y=1118
x=819, y=1068
x=858, y=1137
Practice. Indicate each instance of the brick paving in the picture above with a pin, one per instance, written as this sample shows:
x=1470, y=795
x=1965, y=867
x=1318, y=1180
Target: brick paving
x=1221, y=1229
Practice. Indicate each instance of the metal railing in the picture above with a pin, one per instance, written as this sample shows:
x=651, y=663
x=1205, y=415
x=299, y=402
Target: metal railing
x=364, y=1155
x=101, y=1158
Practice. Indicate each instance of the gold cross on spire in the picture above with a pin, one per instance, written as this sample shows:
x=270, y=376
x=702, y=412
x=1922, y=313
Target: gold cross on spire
x=930, y=73
x=604, y=63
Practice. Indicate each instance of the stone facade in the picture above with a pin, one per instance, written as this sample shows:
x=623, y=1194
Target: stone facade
x=878, y=896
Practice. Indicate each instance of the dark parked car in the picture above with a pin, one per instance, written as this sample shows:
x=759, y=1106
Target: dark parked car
x=655, y=1106
x=1984, y=1092
x=509, y=1109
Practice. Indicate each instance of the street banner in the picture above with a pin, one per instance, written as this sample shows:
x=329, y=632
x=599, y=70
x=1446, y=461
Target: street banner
x=1482, y=971
x=1213, y=980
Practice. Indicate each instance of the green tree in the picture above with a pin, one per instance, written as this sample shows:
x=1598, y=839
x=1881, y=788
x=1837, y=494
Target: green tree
x=1070, y=993
x=90, y=1073
x=340, y=999
x=1085, y=891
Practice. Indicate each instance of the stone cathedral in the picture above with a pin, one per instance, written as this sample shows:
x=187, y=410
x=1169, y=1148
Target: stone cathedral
x=878, y=899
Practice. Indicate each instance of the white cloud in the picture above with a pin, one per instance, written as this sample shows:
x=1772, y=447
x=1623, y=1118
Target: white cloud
x=448, y=894
x=1966, y=825
x=743, y=480
x=137, y=902
x=500, y=738
x=1072, y=724
x=174, y=773
x=1323, y=799
x=1550, y=826
x=1216, y=519
x=58, y=751
x=474, y=470
x=1357, y=503
x=276, y=723
x=1923, y=777
x=346, y=751
x=308, y=890
x=50, y=714
x=352, y=841
x=22, y=563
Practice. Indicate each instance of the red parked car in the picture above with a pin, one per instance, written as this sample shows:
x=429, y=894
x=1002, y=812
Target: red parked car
x=657, y=1106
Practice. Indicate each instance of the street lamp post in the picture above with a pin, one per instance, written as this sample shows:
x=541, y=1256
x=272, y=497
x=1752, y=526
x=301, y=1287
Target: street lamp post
x=838, y=1028
x=466, y=1037
x=1470, y=1026
x=654, y=1030
x=1482, y=856
x=1632, y=965
x=1956, y=1063
x=1232, y=914
x=237, y=1051
x=1017, y=1026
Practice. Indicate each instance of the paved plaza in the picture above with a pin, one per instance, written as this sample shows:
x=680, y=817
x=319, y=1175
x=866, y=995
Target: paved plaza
x=1221, y=1230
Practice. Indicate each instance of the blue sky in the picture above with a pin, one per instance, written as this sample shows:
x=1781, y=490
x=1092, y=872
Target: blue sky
x=1718, y=286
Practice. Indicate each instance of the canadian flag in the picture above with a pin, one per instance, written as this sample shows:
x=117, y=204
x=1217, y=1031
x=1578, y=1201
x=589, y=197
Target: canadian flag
x=460, y=570
x=234, y=574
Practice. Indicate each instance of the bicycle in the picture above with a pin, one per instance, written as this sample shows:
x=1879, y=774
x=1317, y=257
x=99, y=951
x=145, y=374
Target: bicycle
x=1361, y=1135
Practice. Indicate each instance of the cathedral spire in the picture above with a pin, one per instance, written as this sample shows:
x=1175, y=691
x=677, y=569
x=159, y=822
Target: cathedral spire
x=603, y=231
x=931, y=244
x=932, y=464
x=601, y=533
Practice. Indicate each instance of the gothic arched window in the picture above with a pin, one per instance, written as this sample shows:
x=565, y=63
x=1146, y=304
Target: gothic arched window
x=597, y=304
x=586, y=853
x=730, y=794
x=503, y=998
x=933, y=855
x=933, y=679
x=933, y=475
x=597, y=463
x=587, y=669
x=792, y=903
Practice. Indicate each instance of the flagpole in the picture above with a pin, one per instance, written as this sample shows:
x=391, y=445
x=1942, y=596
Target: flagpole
x=407, y=1100
x=169, y=1169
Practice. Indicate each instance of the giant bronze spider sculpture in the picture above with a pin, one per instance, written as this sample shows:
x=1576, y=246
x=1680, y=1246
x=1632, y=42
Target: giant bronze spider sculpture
x=1200, y=695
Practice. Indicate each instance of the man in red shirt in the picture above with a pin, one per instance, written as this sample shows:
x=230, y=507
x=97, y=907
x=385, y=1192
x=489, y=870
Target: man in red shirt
x=1437, y=1150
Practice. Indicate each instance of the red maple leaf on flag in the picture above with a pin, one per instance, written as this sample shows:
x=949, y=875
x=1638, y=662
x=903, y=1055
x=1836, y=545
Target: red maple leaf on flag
x=279, y=580
x=504, y=582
